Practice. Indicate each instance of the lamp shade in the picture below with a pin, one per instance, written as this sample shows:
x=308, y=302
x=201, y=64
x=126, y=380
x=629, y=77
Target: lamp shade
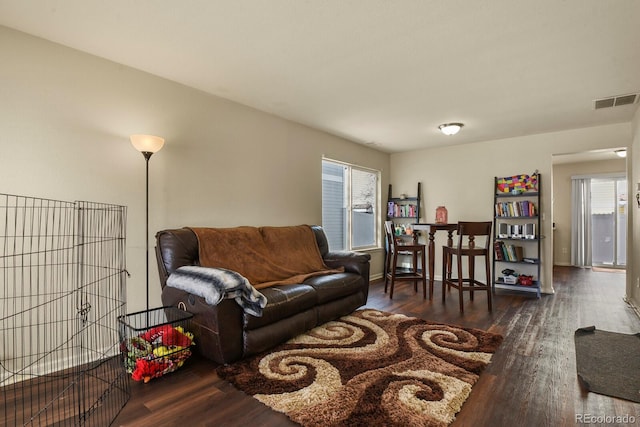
x=147, y=143
x=450, y=128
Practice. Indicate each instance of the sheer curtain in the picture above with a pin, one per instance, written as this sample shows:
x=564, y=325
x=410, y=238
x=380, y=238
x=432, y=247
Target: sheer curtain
x=580, y=221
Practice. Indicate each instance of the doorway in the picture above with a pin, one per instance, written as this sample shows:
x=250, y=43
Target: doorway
x=599, y=220
x=572, y=243
x=609, y=221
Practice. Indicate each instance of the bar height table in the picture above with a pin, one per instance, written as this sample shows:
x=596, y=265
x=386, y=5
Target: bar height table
x=431, y=228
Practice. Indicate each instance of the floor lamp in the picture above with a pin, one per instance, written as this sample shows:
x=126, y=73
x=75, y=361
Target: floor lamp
x=147, y=145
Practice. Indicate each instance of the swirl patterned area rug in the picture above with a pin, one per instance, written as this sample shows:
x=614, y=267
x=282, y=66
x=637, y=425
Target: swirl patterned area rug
x=369, y=368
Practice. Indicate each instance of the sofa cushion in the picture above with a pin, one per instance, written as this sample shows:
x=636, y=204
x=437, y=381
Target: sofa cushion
x=334, y=286
x=282, y=301
x=261, y=339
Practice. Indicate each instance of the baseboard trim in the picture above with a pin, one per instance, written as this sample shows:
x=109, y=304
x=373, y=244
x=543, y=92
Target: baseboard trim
x=635, y=308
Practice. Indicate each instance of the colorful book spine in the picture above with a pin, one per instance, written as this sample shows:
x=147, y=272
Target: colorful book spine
x=515, y=209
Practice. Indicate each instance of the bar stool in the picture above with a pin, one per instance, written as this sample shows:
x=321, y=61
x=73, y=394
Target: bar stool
x=393, y=272
x=466, y=247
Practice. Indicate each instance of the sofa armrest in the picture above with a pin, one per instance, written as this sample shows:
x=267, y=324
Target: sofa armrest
x=174, y=249
x=353, y=262
x=218, y=329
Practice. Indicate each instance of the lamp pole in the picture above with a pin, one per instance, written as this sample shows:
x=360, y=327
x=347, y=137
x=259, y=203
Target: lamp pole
x=147, y=145
x=147, y=155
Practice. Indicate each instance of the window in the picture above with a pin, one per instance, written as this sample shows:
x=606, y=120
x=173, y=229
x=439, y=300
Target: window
x=350, y=200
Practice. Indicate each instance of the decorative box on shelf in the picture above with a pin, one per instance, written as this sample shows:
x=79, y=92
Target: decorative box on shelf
x=155, y=342
x=510, y=280
x=525, y=280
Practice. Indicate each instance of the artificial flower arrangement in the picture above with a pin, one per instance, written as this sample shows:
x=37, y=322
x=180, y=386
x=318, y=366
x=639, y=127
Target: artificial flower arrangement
x=156, y=352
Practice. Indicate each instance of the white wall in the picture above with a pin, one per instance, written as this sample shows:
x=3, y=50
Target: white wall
x=633, y=259
x=461, y=177
x=65, y=121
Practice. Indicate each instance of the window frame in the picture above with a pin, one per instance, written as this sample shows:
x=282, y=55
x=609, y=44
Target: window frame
x=348, y=190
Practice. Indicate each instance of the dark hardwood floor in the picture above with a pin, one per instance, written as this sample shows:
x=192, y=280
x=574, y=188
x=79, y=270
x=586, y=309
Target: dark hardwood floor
x=531, y=380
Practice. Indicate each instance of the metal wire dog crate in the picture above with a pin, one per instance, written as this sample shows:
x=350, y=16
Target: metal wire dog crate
x=62, y=277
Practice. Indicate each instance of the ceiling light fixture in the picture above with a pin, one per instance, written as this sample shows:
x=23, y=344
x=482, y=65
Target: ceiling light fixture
x=621, y=153
x=450, y=128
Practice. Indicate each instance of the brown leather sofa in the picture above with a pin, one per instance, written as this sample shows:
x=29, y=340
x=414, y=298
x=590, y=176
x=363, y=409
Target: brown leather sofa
x=225, y=333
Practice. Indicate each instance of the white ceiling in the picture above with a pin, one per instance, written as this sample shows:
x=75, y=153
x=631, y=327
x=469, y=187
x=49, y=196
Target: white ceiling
x=587, y=156
x=377, y=72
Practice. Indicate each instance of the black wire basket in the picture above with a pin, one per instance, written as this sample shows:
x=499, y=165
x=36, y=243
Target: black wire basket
x=155, y=342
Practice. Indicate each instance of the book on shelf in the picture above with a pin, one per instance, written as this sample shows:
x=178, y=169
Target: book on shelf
x=518, y=252
x=497, y=247
x=505, y=252
x=401, y=210
x=515, y=209
x=510, y=253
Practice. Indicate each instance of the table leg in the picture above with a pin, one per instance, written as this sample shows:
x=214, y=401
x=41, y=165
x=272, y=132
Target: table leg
x=432, y=249
x=447, y=261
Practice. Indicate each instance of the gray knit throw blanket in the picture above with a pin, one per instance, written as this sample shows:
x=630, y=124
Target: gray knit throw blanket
x=215, y=284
